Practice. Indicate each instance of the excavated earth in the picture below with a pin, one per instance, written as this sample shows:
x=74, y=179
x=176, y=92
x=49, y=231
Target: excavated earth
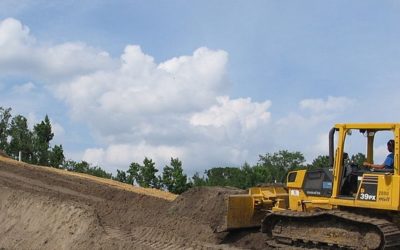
x=46, y=208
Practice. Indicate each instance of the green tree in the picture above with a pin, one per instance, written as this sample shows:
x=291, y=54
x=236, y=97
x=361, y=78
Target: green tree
x=5, y=118
x=144, y=175
x=225, y=176
x=173, y=178
x=134, y=173
x=248, y=176
x=121, y=176
x=86, y=168
x=358, y=159
x=278, y=164
x=99, y=172
x=198, y=181
x=80, y=167
x=322, y=161
x=56, y=156
x=41, y=141
x=149, y=174
x=21, y=139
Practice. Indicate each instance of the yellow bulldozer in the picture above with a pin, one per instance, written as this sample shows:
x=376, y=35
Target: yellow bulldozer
x=344, y=205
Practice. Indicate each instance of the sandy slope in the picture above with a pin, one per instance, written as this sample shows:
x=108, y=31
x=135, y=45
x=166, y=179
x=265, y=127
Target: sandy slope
x=44, y=208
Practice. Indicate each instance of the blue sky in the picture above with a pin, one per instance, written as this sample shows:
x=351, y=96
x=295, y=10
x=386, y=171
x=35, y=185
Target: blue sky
x=211, y=82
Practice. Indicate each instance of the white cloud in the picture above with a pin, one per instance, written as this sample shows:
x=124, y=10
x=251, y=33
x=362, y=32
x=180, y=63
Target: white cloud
x=321, y=146
x=57, y=128
x=142, y=94
x=94, y=156
x=21, y=54
x=306, y=129
x=24, y=88
x=322, y=111
x=335, y=104
x=227, y=112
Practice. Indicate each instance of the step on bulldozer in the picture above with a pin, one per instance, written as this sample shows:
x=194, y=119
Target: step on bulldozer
x=342, y=206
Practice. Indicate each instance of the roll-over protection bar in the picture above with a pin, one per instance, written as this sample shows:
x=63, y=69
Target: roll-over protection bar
x=332, y=146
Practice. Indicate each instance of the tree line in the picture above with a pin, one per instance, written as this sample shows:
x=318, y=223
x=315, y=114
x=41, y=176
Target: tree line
x=35, y=146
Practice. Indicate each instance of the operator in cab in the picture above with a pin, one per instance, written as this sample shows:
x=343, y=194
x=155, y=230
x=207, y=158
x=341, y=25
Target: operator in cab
x=389, y=161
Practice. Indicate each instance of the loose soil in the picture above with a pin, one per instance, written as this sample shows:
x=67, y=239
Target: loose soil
x=46, y=208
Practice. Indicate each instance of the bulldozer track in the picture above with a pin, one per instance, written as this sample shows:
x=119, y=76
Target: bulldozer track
x=389, y=233
x=151, y=238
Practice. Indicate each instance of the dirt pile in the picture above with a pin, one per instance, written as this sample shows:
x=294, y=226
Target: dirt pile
x=204, y=205
x=41, y=208
x=39, y=222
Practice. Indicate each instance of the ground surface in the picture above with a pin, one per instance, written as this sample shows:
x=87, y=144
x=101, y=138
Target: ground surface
x=44, y=208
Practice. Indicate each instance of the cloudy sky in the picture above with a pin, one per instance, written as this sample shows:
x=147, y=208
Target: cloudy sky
x=214, y=83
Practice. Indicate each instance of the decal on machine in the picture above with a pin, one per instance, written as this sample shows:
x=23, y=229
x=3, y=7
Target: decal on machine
x=295, y=192
x=384, y=196
x=368, y=189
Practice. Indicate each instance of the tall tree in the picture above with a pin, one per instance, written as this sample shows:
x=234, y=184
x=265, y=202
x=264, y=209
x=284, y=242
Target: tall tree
x=5, y=117
x=134, y=174
x=149, y=174
x=248, y=176
x=121, y=176
x=41, y=141
x=56, y=156
x=21, y=139
x=173, y=178
x=144, y=175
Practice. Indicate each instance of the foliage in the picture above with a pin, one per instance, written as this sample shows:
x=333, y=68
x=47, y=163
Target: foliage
x=42, y=135
x=198, y=181
x=144, y=175
x=322, y=161
x=149, y=174
x=270, y=168
x=358, y=159
x=21, y=139
x=121, y=176
x=224, y=176
x=86, y=168
x=275, y=166
x=5, y=118
x=56, y=157
x=16, y=137
x=173, y=178
x=133, y=173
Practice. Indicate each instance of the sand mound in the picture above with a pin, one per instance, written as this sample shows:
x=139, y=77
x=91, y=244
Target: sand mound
x=45, y=209
x=206, y=205
x=39, y=222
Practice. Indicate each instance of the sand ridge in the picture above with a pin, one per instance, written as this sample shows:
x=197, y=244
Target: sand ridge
x=45, y=208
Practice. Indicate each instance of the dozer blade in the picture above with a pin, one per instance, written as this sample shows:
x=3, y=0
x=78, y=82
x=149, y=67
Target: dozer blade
x=242, y=212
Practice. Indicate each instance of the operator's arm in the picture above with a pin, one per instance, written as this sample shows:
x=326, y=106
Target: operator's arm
x=377, y=166
x=388, y=163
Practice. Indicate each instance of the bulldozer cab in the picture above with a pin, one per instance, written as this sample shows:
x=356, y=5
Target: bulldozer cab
x=353, y=184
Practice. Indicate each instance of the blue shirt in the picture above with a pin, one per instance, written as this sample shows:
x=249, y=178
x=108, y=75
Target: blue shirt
x=389, y=161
